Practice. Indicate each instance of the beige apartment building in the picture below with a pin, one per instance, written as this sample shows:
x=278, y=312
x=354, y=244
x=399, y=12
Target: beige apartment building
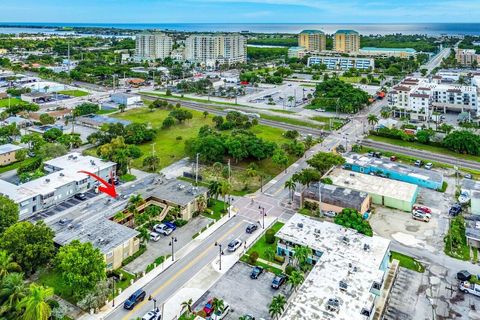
x=312, y=40
x=152, y=45
x=467, y=57
x=216, y=49
x=346, y=41
x=8, y=153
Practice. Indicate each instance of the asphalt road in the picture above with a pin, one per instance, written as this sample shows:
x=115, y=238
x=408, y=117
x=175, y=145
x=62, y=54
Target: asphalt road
x=436, y=157
x=169, y=281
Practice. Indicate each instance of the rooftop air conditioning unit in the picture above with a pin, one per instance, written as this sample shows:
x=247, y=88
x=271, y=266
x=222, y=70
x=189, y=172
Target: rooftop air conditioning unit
x=300, y=225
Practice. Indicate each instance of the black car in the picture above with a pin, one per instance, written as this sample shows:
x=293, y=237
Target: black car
x=377, y=154
x=81, y=196
x=251, y=228
x=256, y=271
x=455, y=210
x=137, y=297
x=464, y=275
x=278, y=281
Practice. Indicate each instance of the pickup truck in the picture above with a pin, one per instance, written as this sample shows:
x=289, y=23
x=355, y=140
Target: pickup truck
x=467, y=287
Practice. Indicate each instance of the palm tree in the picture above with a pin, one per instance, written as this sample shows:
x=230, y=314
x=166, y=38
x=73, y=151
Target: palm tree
x=35, y=303
x=385, y=113
x=372, y=119
x=251, y=172
x=302, y=254
x=381, y=77
x=13, y=290
x=214, y=189
x=218, y=305
x=277, y=306
x=269, y=253
x=290, y=184
x=135, y=200
x=295, y=279
x=201, y=204
x=7, y=264
x=144, y=234
x=187, y=305
x=291, y=99
x=225, y=189
x=122, y=107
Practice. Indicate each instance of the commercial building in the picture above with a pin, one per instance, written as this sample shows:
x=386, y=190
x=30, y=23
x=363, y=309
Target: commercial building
x=420, y=96
x=96, y=121
x=388, y=52
x=467, y=57
x=62, y=181
x=37, y=97
x=346, y=41
x=342, y=63
x=152, y=45
x=297, y=52
x=216, y=49
x=18, y=121
x=312, y=40
x=351, y=276
x=335, y=198
x=393, y=170
x=125, y=98
x=383, y=191
x=8, y=153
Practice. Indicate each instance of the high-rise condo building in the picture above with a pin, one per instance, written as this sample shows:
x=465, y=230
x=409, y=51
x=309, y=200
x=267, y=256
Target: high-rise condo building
x=153, y=45
x=216, y=49
x=312, y=40
x=346, y=41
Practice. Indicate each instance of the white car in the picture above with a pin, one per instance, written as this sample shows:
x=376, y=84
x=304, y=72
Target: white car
x=219, y=315
x=234, y=245
x=154, y=236
x=162, y=229
x=464, y=197
x=330, y=214
x=428, y=166
x=152, y=315
x=421, y=213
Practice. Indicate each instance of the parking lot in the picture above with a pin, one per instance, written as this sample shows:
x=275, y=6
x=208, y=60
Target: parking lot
x=244, y=295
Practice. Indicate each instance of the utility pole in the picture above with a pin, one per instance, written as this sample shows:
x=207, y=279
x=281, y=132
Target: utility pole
x=319, y=197
x=153, y=148
x=229, y=171
x=196, y=171
x=68, y=57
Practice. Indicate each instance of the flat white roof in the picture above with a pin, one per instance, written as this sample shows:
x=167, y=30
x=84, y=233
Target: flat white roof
x=374, y=185
x=5, y=148
x=347, y=256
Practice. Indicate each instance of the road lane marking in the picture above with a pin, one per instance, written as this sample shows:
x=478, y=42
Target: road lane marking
x=176, y=275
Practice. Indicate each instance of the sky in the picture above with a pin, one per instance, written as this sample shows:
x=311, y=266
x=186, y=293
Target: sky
x=244, y=11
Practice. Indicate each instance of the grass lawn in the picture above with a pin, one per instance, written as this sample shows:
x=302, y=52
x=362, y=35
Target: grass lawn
x=127, y=177
x=50, y=278
x=407, y=262
x=261, y=245
x=265, y=266
x=350, y=79
x=11, y=166
x=13, y=101
x=106, y=111
x=170, y=143
x=185, y=317
x=217, y=208
x=282, y=111
x=125, y=282
x=292, y=121
x=74, y=93
x=419, y=146
x=163, y=95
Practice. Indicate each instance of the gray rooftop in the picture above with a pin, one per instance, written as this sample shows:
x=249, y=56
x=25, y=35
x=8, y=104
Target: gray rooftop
x=177, y=192
x=386, y=164
x=469, y=184
x=472, y=230
x=337, y=196
x=6, y=148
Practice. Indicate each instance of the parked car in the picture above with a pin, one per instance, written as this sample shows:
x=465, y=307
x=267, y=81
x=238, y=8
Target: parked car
x=137, y=297
x=370, y=154
x=468, y=176
x=418, y=163
x=80, y=196
x=251, y=228
x=220, y=314
x=162, y=229
x=464, y=197
x=330, y=214
x=422, y=208
x=428, y=166
x=153, y=315
x=472, y=288
x=278, y=281
x=234, y=245
x=455, y=209
x=248, y=317
x=256, y=272
x=377, y=154
x=171, y=225
x=208, y=308
x=393, y=158
x=421, y=212
x=154, y=236
x=464, y=275
x=115, y=181
x=421, y=216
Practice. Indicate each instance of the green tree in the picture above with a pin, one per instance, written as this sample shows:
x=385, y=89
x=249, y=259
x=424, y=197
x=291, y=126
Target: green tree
x=214, y=189
x=277, y=306
x=372, y=119
x=81, y=266
x=324, y=161
x=7, y=264
x=181, y=115
x=280, y=158
x=168, y=122
x=290, y=185
x=151, y=162
x=144, y=234
x=35, y=304
x=205, y=114
x=301, y=255
x=122, y=107
x=351, y=218
x=295, y=279
x=12, y=291
x=8, y=213
x=463, y=141
x=30, y=245
x=218, y=305
x=306, y=176
x=225, y=190
x=45, y=118
x=424, y=136
x=269, y=253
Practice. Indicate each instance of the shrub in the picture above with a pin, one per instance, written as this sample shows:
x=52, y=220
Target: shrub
x=179, y=138
x=253, y=257
x=137, y=254
x=270, y=236
x=289, y=269
x=202, y=314
x=180, y=222
x=280, y=259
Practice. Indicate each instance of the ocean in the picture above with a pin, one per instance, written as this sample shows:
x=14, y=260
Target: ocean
x=434, y=29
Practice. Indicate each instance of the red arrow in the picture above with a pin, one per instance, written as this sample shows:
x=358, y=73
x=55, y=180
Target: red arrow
x=108, y=189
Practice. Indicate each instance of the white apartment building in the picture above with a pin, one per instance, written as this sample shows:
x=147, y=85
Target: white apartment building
x=216, y=49
x=419, y=96
x=152, y=45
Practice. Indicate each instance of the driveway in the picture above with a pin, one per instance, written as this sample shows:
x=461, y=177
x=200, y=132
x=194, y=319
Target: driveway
x=162, y=247
x=244, y=295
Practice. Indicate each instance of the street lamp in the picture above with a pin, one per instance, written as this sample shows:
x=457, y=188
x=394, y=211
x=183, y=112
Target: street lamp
x=171, y=244
x=262, y=212
x=150, y=298
x=220, y=253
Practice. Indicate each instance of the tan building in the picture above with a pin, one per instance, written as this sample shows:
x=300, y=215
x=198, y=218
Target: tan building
x=153, y=45
x=216, y=49
x=467, y=57
x=312, y=40
x=346, y=41
x=7, y=153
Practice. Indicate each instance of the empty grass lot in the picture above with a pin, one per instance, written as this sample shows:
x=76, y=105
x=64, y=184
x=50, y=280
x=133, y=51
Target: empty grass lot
x=261, y=245
x=74, y=93
x=407, y=262
x=4, y=103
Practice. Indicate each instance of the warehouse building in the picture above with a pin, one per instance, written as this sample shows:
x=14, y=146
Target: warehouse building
x=335, y=198
x=393, y=170
x=125, y=98
x=351, y=277
x=390, y=193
